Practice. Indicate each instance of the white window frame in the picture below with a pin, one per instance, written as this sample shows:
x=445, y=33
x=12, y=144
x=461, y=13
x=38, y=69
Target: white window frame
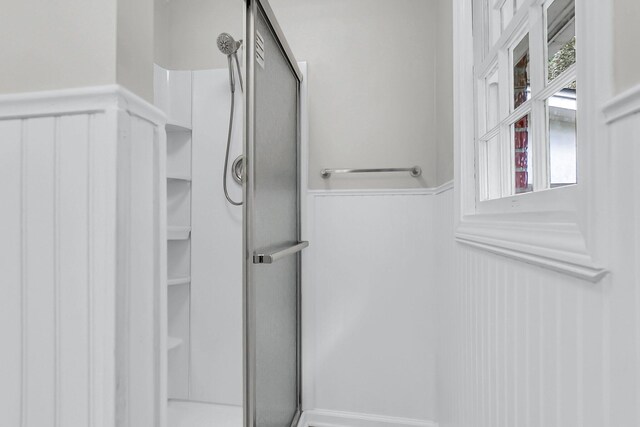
x=555, y=228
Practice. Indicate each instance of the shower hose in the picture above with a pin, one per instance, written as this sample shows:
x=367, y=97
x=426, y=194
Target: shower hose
x=231, y=113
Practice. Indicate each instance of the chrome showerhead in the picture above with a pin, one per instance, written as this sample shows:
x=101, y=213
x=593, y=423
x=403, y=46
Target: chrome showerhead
x=227, y=44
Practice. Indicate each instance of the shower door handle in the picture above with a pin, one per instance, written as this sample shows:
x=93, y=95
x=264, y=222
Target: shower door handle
x=272, y=255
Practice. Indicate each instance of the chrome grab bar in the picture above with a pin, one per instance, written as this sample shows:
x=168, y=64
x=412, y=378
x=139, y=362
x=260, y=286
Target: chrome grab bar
x=274, y=254
x=414, y=171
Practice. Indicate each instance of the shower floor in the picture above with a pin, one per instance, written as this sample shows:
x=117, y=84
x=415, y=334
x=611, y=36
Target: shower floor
x=195, y=414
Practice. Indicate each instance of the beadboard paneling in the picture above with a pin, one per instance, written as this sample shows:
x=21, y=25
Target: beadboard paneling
x=520, y=345
x=45, y=300
x=11, y=289
x=72, y=237
x=71, y=234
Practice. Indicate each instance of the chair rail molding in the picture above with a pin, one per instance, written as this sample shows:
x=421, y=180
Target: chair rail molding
x=623, y=105
x=558, y=246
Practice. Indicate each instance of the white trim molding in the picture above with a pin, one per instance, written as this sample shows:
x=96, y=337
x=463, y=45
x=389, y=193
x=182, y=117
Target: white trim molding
x=623, y=105
x=556, y=246
x=83, y=100
x=563, y=229
x=322, y=418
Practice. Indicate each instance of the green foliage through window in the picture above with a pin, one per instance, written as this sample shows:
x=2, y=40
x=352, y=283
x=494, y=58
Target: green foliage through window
x=562, y=60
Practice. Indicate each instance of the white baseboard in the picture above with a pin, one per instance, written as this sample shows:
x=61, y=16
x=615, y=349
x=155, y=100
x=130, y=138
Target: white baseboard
x=321, y=418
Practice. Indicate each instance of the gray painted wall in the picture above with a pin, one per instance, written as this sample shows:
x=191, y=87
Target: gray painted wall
x=50, y=45
x=379, y=78
x=627, y=40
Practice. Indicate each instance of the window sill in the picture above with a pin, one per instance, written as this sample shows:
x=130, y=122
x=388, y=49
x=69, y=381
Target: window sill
x=557, y=246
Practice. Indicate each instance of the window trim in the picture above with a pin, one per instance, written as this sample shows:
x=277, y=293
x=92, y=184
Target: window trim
x=556, y=228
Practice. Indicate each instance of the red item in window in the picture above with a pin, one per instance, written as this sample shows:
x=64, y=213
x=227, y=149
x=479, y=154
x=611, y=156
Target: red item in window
x=521, y=139
x=522, y=180
x=523, y=123
x=522, y=160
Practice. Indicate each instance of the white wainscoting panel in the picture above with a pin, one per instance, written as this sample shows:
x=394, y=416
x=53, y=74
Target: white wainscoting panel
x=518, y=344
x=77, y=319
x=368, y=304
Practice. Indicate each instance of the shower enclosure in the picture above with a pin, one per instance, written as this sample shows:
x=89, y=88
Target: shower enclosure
x=234, y=251
x=271, y=224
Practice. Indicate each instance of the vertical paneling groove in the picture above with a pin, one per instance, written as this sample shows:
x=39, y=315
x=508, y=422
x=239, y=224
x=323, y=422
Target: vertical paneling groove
x=541, y=352
x=516, y=340
x=466, y=332
x=636, y=272
x=558, y=357
x=580, y=359
x=89, y=262
x=11, y=272
x=484, y=310
x=39, y=262
x=23, y=275
x=56, y=265
x=71, y=232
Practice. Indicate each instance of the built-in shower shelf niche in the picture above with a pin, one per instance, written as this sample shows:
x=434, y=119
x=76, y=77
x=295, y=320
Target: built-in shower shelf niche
x=177, y=127
x=173, y=95
x=178, y=202
x=179, y=154
x=173, y=343
x=178, y=232
x=179, y=281
x=179, y=177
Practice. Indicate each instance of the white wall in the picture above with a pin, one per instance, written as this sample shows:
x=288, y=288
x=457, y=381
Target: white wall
x=368, y=312
x=74, y=43
x=521, y=345
x=627, y=34
x=374, y=80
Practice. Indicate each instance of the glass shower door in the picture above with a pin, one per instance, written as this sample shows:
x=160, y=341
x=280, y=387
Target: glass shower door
x=271, y=225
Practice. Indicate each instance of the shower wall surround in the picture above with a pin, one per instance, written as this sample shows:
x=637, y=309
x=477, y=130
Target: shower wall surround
x=81, y=219
x=204, y=296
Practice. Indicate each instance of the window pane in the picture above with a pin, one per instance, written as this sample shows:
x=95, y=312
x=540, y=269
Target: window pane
x=561, y=37
x=561, y=109
x=523, y=182
x=521, y=81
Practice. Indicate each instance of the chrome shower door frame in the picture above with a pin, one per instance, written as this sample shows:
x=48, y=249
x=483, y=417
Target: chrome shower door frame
x=252, y=8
